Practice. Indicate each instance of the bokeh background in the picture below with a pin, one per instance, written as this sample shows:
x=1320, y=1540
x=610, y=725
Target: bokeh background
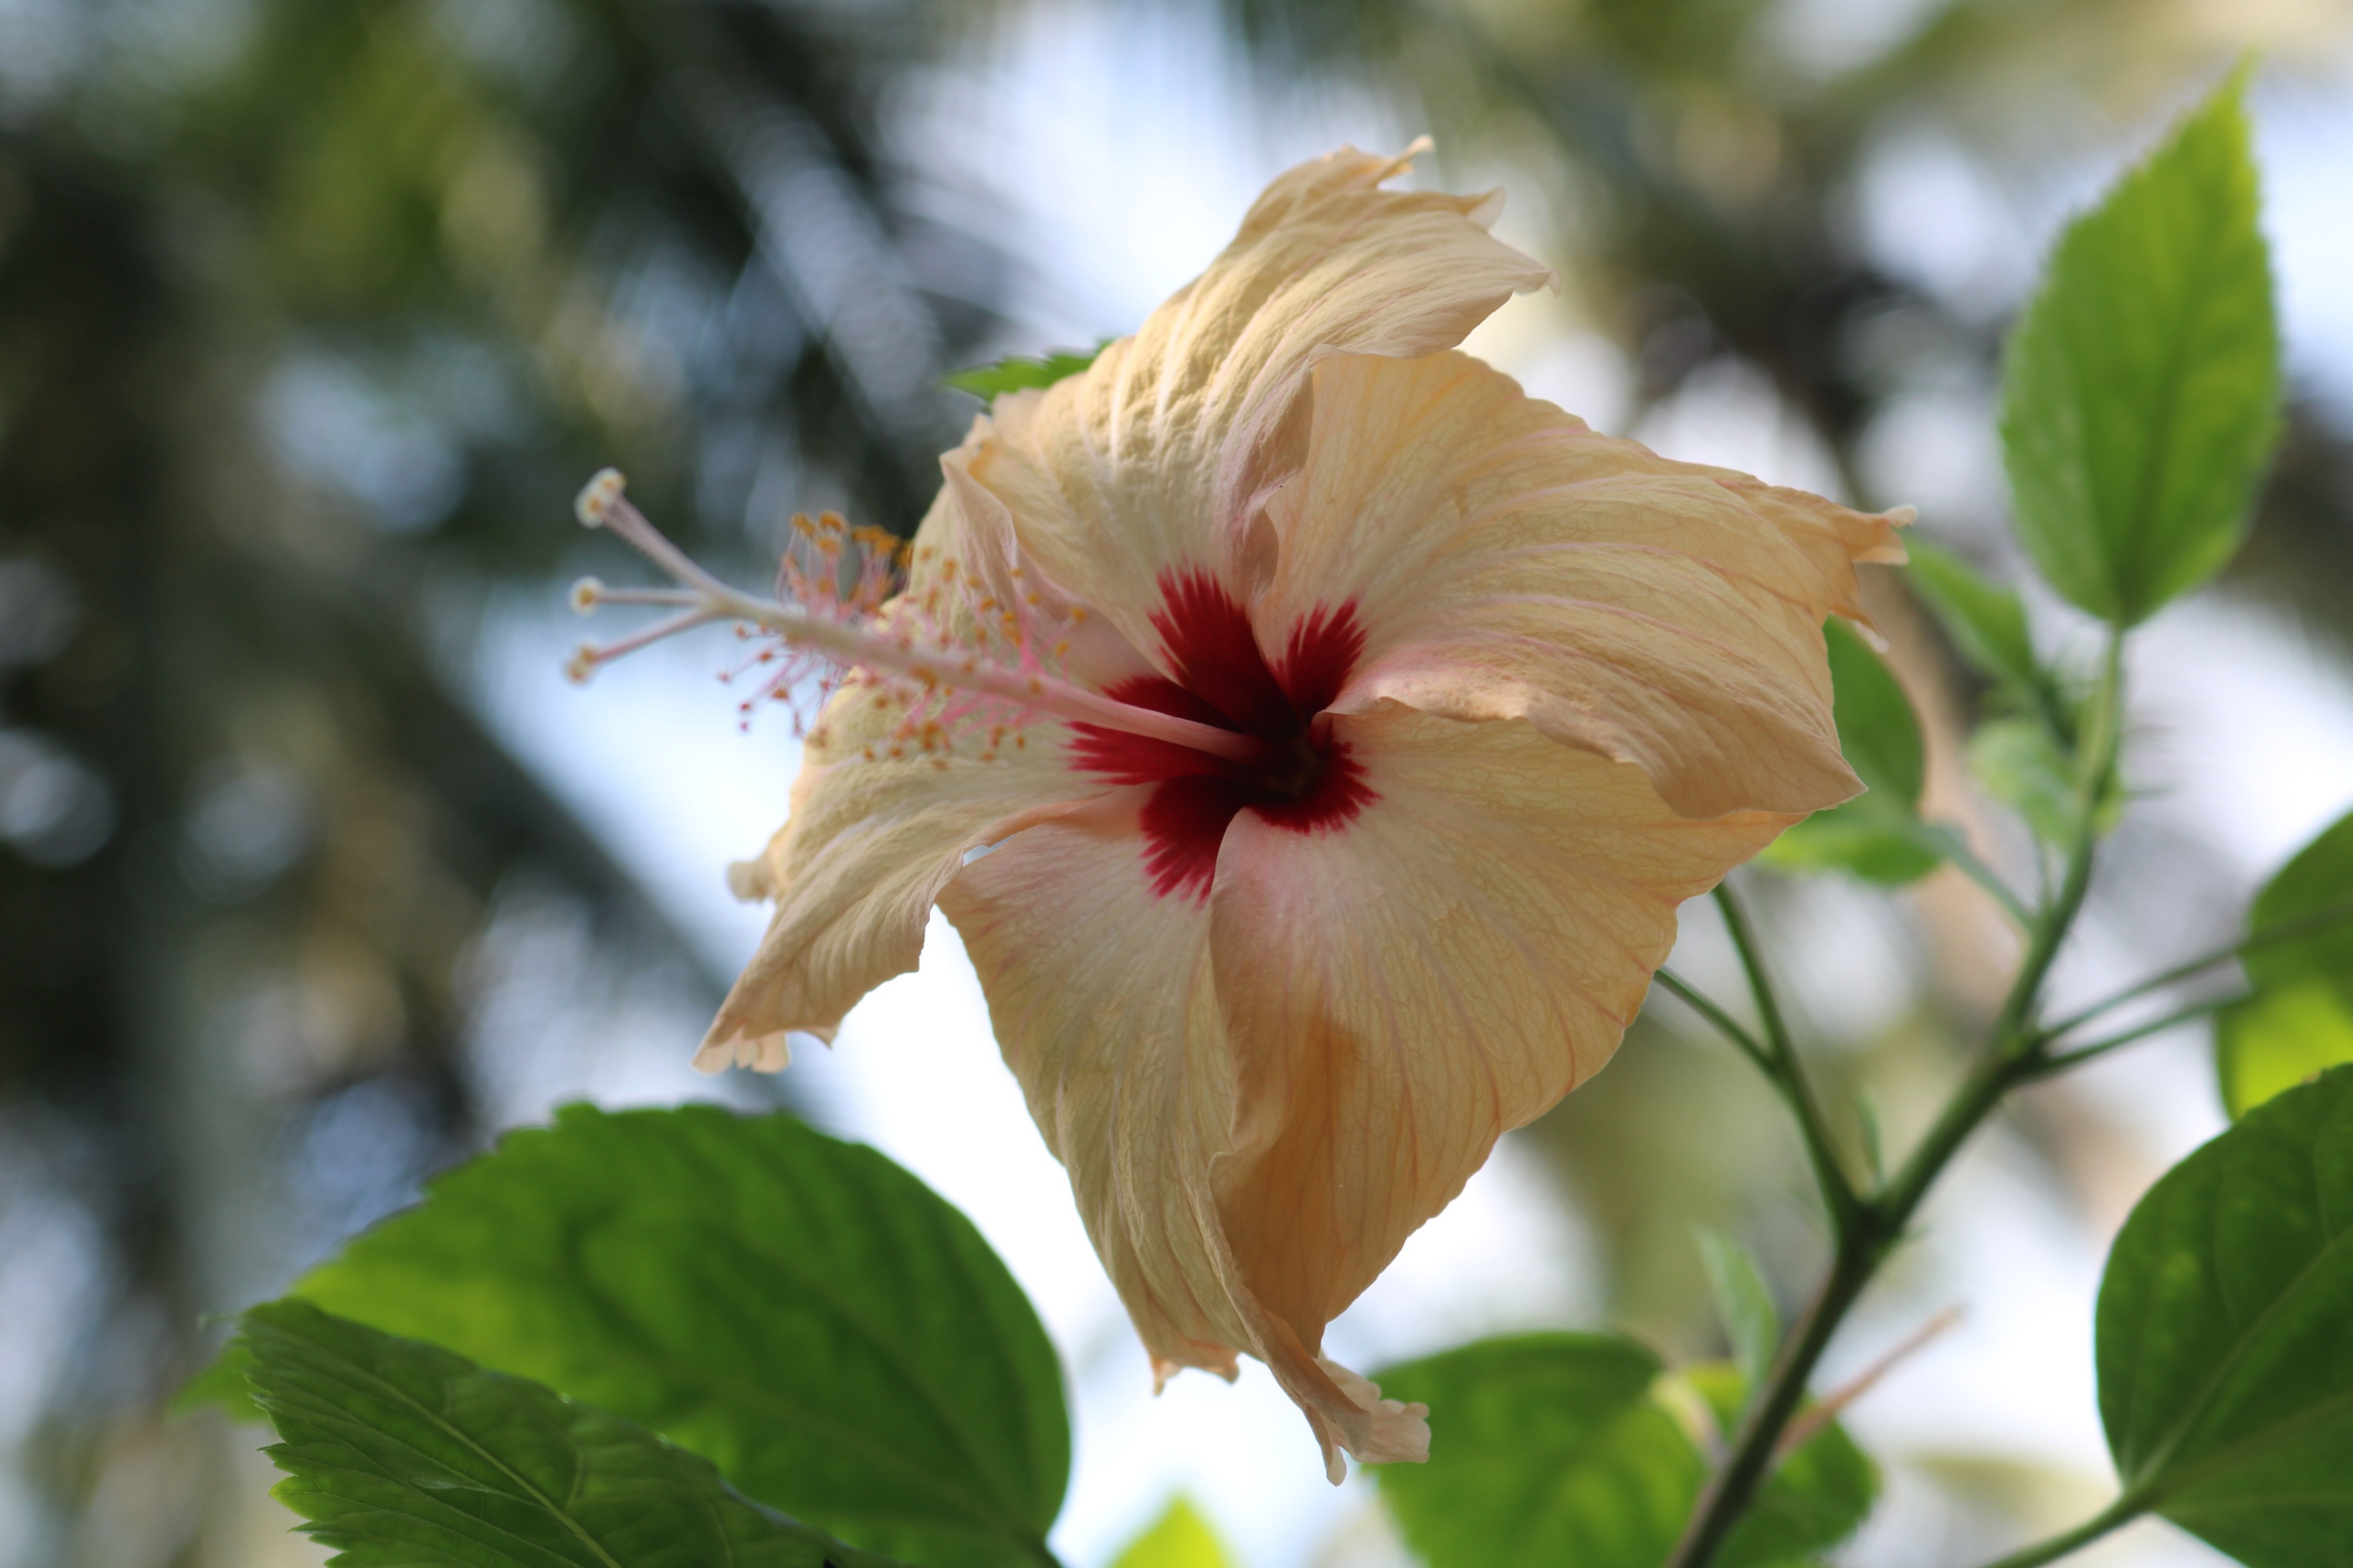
x=314, y=874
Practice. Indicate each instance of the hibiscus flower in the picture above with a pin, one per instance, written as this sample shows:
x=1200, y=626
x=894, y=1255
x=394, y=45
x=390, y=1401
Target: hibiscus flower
x=1311, y=737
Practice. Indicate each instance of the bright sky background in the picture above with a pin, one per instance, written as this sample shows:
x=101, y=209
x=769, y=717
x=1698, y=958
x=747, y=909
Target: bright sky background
x=1118, y=151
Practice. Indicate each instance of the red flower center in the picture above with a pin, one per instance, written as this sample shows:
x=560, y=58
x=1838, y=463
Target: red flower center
x=1308, y=784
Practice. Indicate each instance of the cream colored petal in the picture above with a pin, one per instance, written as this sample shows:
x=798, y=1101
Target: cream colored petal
x=1099, y=991
x=856, y=867
x=870, y=839
x=1154, y=458
x=1402, y=990
x=1505, y=561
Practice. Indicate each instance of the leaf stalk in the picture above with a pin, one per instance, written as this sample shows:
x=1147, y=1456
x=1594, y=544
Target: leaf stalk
x=1867, y=1228
x=2051, y=1548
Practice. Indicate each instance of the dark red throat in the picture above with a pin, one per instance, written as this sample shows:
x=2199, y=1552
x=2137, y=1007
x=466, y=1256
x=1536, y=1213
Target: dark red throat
x=1306, y=782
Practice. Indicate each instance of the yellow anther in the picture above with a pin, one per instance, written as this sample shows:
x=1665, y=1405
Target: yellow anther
x=831, y=521
x=802, y=525
x=598, y=497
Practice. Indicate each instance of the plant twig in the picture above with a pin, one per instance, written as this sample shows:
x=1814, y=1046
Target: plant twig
x=2049, y=1064
x=1864, y=1238
x=2123, y=1510
x=2318, y=920
x=1788, y=1073
x=1753, y=1447
x=1725, y=1023
x=1825, y=1410
x=1955, y=849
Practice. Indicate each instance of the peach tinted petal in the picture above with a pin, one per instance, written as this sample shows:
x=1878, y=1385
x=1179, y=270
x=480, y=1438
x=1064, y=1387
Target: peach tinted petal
x=1098, y=990
x=1507, y=561
x=1402, y=991
x=1154, y=458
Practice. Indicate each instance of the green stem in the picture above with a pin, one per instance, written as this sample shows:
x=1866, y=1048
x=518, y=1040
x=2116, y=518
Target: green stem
x=2318, y=920
x=2050, y=1550
x=1955, y=849
x=2048, y=1065
x=1865, y=1237
x=1788, y=1075
x=1727, y=1024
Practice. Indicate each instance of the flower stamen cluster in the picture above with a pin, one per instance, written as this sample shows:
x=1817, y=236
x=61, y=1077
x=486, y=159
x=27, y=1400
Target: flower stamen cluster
x=953, y=659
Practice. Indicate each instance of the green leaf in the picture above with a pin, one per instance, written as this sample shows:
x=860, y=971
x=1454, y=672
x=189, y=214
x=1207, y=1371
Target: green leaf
x=988, y=381
x=1814, y=1498
x=2316, y=881
x=1546, y=1448
x=2225, y=1336
x=1877, y=730
x=222, y=1385
x=1877, y=836
x=2140, y=398
x=2017, y=763
x=1179, y=1538
x=401, y=1455
x=2300, y=1018
x=2278, y=1038
x=838, y=1339
x=1858, y=840
x=1559, y=1448
x=1752, y=1323
x=1987, y=623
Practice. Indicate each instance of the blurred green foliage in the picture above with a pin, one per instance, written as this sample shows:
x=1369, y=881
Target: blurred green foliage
x=1179, y=1538
x=1582, y=1448
x=2299, y=1016
x=312, y=320
x=1018, y=373
x=1878, y=835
